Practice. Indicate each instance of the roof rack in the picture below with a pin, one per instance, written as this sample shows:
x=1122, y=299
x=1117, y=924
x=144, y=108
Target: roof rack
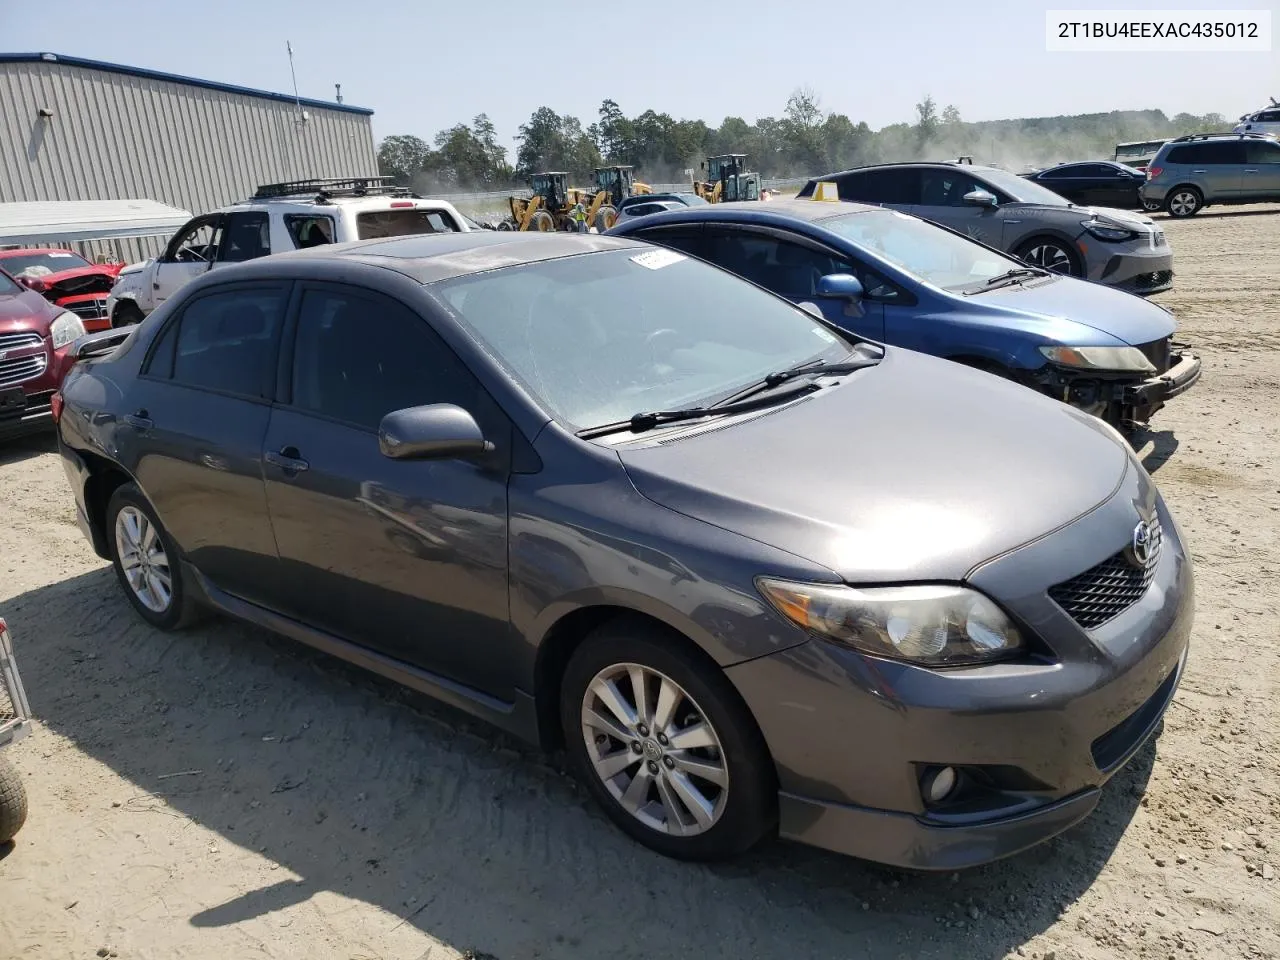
x=1225, y=133
x=324, y=189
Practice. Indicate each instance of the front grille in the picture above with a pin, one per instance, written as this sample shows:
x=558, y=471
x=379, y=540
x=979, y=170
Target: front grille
x=1158, y=352
x=90, y=309
x=1110, y=749
x=10, y=341
x=14, y=372
x=1149, y=281
x=1104, y=592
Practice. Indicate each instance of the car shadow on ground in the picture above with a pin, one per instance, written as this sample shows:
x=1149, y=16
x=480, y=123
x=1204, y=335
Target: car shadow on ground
x=361, y=788
x=26, y=448
x=1219, y=213
x=1154, y=447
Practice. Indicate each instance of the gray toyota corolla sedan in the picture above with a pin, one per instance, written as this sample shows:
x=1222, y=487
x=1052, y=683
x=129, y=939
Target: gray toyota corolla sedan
x=755, y=575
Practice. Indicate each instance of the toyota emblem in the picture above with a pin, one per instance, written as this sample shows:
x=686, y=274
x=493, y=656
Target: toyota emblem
x=1146, y=542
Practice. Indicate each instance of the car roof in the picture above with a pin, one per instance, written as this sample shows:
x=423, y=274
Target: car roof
x=810, y=211
x=428, y=258
x=952, y=164
x=28, y=251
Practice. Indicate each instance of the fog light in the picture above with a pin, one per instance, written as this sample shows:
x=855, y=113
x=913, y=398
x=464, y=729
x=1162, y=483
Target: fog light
x=937, y=783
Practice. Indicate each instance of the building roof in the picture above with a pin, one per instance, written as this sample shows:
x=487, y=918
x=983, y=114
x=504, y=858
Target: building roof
x=177, y=78
x=63, y=221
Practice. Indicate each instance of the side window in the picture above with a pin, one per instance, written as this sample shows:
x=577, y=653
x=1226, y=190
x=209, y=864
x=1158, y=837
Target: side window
x=247, y=237
x=1259, y=152
x=1223, y=152
x=946, y=188
x=197, y=242
x=1186, y=154
x=225, y=341
x=684, y=239
x=1268, y=116
x=308, y=231
x=1098, y=170
x=893, y=186
x=788, y=269
x=1060, y=173
x=359, y=356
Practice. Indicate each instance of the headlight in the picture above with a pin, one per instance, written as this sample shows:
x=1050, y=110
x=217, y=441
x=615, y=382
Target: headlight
x=65, y=329
x=1114, y=359
x=933, y=625
x=1107, y=231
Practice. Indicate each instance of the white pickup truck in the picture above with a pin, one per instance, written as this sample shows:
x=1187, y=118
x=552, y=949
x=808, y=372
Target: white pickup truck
x=279, y=217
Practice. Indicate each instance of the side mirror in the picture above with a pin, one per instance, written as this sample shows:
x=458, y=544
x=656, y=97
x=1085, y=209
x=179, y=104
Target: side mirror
x=980, y=198
x=840, y=286
x=437, y=431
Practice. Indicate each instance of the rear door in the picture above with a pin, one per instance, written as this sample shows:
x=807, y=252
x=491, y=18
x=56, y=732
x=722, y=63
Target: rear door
x=192, y=252
x=1219, y=165
x=405, y=557
x=791, y=265
x=942, y=193
x=197, y=416
x=1261, y=179
x=1066, y=182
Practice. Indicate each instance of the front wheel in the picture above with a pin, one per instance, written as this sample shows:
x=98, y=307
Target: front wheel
x=1051, y=254
x=13, y=802
x=665, y=744
x=126, y=314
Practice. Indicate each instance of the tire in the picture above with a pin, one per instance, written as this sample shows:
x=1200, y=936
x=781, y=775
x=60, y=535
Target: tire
x=1052, y=254
x=1151, y=206
x=606, y=217
x=542, y=222
x=130, y=519
x=1183, y=202
x=505, y=226
x=13, y=802
x=733, y=817
x=126, y=314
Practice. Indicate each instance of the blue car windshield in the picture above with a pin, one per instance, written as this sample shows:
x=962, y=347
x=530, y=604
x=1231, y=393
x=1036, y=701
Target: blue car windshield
x=602, y=336
x=919, y=248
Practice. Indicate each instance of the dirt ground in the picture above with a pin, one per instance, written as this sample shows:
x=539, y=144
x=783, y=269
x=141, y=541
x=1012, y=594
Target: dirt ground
x=226, y=793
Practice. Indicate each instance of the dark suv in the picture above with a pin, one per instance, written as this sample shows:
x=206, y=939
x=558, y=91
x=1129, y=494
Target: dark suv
x=1190, y=173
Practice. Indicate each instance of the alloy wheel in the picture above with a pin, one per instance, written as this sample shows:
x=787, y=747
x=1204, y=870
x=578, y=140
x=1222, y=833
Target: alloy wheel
x=1051, y=256
x=654, y=749
x=143, y=559
x=1184, y=203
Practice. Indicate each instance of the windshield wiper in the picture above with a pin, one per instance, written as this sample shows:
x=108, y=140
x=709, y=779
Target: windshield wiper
x=778, y=377
x=1013, y=275
x=647, y=420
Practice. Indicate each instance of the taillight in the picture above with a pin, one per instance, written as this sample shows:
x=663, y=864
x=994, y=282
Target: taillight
x=1153, y=172
x=402, y=203
x=55, y=405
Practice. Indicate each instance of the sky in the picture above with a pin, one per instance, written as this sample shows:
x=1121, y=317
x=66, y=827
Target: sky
x=425, y=66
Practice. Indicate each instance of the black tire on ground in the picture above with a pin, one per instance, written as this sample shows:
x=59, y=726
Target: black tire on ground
x=182, y=609
x=750, y=810
x=505, y=225
x=542, y=222
x=126, y=314
x=1184, y=201
x=1042, y=251
x=13, y=801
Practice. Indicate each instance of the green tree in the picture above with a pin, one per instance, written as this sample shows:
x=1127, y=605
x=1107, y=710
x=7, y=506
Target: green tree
x=404, y=157
x=926, y=120
x=950, y=115
x=552, y=142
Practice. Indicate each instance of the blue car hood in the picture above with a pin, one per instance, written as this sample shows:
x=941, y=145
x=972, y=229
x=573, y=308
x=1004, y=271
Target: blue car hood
x=1090, y=307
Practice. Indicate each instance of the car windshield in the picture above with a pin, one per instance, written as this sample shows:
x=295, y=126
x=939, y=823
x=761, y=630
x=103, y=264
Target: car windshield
x=930, y=253
x=43, y=262
x=600, y=337
x=1021, y=189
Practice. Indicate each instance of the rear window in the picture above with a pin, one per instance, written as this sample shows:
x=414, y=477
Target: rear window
x=376, y=224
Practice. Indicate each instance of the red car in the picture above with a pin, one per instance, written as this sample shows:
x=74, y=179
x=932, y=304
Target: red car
x=67, y=280
x=36, y=342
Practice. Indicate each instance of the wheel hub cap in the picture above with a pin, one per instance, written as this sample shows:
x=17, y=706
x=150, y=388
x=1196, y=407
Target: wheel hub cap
x=143, y=560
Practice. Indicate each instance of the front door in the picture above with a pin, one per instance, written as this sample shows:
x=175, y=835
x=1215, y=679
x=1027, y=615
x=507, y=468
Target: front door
x=791, y=266
x=191, y=253
x=195, y=435
x=942, y=194
x=405, y=557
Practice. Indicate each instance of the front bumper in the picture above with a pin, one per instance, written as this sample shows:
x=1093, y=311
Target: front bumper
x=1178, y=379
x=25, y=406
x=850, y=735
x=1142, y=272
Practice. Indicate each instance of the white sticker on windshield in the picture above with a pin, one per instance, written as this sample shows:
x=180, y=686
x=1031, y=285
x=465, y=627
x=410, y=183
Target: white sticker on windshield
x=823, y=335
x=657, y=259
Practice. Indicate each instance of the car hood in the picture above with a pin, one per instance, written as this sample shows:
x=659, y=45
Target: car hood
x=1079, y=313
x=26, y=311
x=917, y=469
x=133, y=268
x=1126, y=218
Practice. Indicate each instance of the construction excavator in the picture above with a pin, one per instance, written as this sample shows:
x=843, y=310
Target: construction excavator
x=727, y=180
x=557, y=206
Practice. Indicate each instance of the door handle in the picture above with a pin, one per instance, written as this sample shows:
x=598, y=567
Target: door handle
x=1199, y=171
x=288, y=460
x=139, y=420
x=1251, y=171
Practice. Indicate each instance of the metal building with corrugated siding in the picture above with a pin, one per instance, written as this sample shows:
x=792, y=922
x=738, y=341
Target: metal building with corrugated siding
x=75, y=129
